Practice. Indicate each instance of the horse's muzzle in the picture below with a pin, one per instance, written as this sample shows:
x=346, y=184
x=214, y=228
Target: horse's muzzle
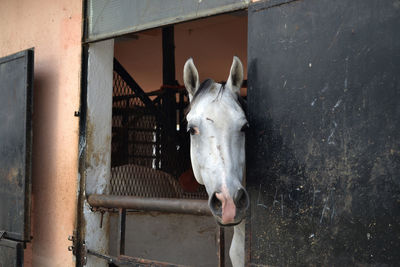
x=229, y=210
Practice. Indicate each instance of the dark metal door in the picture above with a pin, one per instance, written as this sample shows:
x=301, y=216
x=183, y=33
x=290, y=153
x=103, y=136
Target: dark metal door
x=323, y=155
x=16, y=76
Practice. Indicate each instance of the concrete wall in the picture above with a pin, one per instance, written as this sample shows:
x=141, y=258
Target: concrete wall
x=176, y=238
x=54, y=29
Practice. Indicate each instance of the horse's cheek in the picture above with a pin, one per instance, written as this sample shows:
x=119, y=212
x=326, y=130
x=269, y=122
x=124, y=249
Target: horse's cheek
x=196, y=169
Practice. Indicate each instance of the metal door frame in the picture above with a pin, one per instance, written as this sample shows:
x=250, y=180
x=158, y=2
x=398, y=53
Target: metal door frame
x=97, y=59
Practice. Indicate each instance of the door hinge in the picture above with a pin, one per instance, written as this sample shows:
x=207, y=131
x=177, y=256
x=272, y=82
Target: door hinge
x=74, y=247
x=72, y=238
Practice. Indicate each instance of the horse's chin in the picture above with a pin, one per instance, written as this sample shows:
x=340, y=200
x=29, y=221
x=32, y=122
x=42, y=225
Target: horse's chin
x=227, y=224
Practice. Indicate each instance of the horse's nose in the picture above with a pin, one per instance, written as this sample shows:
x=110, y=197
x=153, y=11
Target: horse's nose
x=215, y=204
x=241, y=199
x=229, y=209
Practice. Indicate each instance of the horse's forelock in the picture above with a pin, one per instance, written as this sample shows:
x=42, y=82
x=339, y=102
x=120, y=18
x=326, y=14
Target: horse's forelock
x=208, y=86
x=205, y=87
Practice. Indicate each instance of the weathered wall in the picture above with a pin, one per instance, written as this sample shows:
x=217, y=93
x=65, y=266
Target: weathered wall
x=54, y=29
x=177, y=238
x=98, y=144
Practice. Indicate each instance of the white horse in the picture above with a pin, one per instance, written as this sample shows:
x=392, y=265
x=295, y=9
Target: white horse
x=216, y=122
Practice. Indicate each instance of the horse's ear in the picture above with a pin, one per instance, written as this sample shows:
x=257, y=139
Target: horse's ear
x=191, y=78
x=235, y=79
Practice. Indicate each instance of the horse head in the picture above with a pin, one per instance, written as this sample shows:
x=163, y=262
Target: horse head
x=217, y=124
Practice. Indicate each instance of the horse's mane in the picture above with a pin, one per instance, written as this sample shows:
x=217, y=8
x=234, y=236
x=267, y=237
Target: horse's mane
x=205, y=87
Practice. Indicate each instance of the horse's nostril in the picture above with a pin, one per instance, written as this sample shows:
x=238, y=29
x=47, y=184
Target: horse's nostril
x=241, y=199
x=215, y=204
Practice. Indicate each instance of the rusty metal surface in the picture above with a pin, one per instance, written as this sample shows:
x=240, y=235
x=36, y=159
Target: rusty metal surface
x=221, y=246
x=169, y=205
x=121, y=231
x=124, y=260
x=95, y=147
x=16, y=77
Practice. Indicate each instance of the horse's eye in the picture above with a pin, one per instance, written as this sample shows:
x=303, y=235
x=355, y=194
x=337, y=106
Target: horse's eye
x=245, y=127
x=193, y=130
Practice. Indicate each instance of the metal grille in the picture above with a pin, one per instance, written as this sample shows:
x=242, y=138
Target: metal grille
x=134, y=180
x=147, y=159
x=134, y=128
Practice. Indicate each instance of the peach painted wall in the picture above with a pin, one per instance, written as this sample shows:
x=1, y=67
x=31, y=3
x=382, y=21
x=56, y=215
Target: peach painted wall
x=54, y=29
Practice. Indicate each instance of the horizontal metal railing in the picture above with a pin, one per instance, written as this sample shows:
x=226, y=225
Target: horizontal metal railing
x=168, y=205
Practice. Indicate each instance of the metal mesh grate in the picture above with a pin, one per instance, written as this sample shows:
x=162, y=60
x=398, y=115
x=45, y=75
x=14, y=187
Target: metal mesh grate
x=144, y=182
x=134, y=128
x=146, y=159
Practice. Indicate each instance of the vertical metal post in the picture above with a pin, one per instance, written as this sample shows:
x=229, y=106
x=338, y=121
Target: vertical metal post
x=221, y=246
x=158, y=145
x=169, y=100
x=121, y=231
x=181, y=112
x=124, y=158
x=168, y=46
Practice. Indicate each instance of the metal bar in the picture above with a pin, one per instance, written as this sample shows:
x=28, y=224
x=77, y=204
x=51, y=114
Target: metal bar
x=221, y=246
x=145, y=262
x=145, y=143
x=135, y=87
x=131, y=261
x=143, y=156
x=158, y=146
x=125, y=134
x=121, y=231
x=137, y=112
x=168, y=135
x=152, y=93
x=181, y=108
x=169, y=205
x=168, y=53
x=135, y=129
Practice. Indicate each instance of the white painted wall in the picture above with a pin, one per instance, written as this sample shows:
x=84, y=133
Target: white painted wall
x=98, y=144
